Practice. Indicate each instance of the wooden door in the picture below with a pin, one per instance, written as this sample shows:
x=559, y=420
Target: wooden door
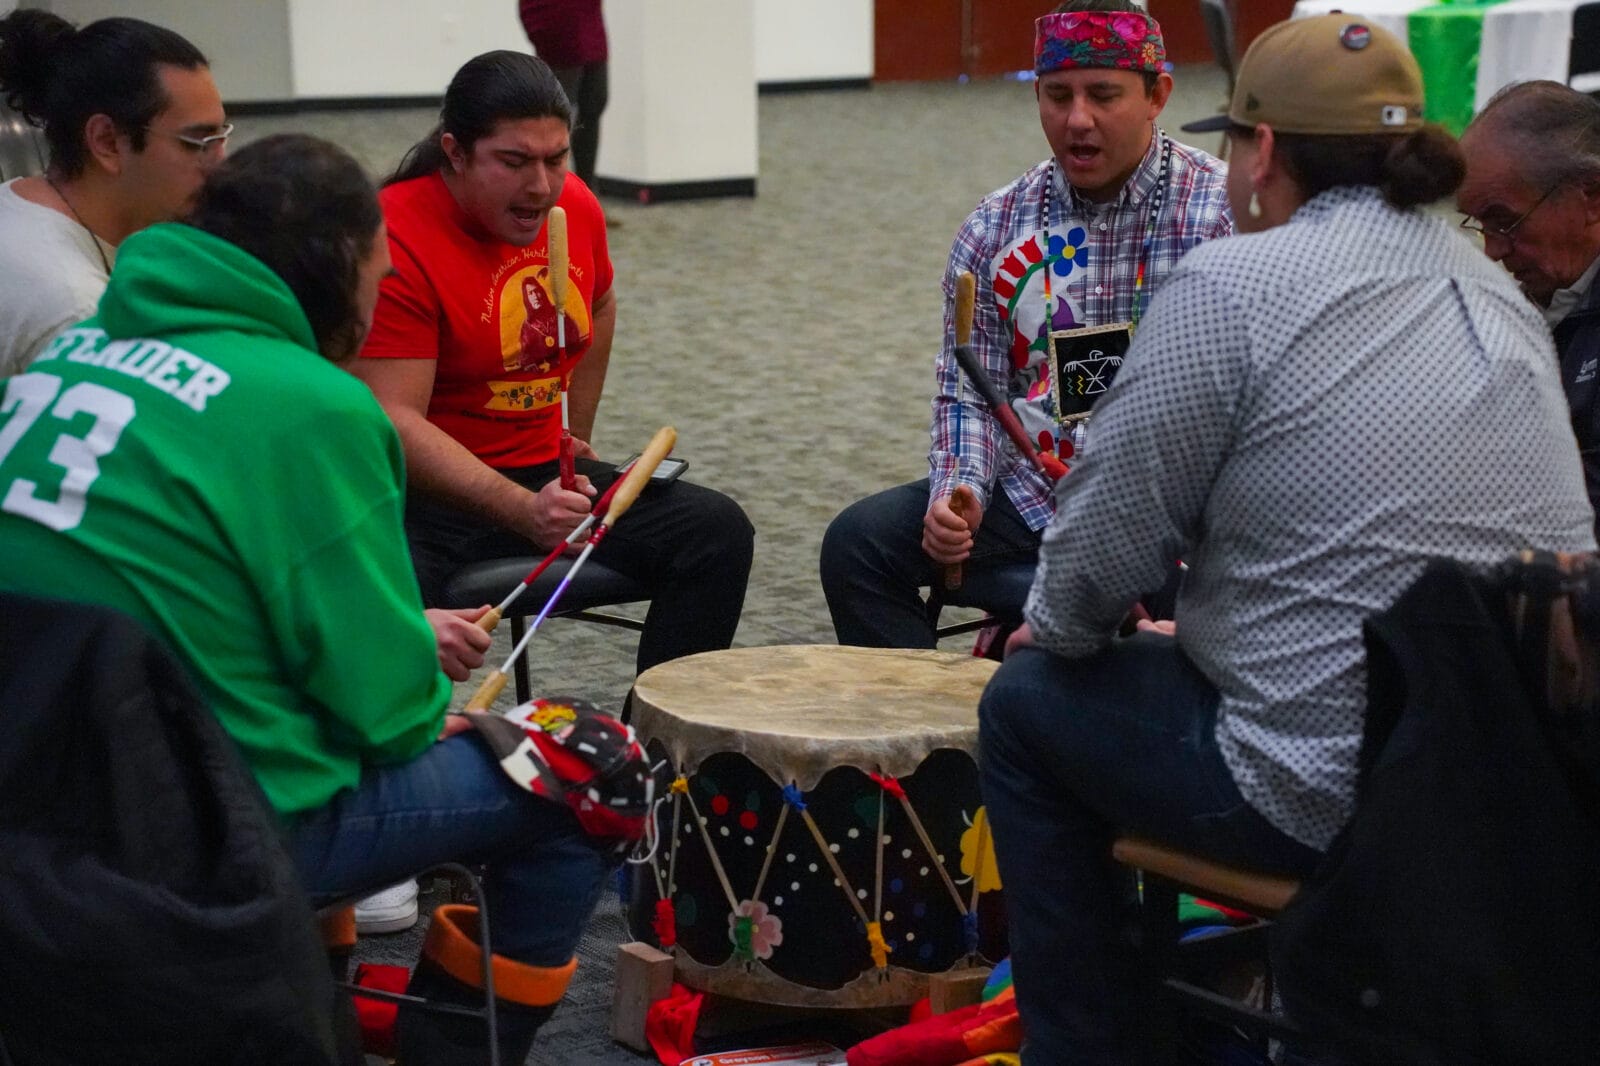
x=934, y=40
x=1183, y=30
x=917, y=40
x=1002, y=35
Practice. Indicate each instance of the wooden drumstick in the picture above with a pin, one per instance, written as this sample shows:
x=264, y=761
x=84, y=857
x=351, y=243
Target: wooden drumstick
x=492, y=616
x=560, y=283
x=961, y=500
x=1005, y=415
x=633, y=482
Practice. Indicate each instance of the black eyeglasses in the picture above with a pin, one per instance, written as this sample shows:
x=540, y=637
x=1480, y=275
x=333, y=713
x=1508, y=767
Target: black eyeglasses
x=199, y=144
x=1506, y=233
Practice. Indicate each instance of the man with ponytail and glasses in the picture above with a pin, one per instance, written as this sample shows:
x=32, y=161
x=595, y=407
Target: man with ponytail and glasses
x=133, y=122
x=1301, y=418
x=463, y=356
x=1080, y=241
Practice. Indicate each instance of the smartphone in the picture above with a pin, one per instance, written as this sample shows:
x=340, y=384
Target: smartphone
x=668, y=470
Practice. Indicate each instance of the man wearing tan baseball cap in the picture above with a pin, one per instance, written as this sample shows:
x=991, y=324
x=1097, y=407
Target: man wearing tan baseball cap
x=1300, y=419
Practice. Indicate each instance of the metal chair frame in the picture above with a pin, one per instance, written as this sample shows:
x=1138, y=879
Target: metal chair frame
x=487, y=1011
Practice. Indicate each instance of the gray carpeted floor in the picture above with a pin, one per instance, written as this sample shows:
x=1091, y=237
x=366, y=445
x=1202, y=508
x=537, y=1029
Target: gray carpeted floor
x=789, y=339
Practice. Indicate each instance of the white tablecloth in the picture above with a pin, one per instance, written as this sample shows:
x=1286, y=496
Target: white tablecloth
x=1524, y=40
x=1390, y=14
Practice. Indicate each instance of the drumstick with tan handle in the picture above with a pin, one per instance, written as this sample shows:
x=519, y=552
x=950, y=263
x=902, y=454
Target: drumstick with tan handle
x=961, y=500
x=632, y=484
x=560, y=282
x=492, y=616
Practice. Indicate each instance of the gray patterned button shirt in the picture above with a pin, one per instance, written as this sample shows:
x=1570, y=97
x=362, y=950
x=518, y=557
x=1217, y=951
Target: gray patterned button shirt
x=1306, y=416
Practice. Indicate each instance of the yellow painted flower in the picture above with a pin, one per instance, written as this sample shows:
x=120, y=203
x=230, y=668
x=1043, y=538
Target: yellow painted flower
x=977, y=850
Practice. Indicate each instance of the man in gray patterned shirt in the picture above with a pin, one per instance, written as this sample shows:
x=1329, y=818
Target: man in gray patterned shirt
x=1310, y=413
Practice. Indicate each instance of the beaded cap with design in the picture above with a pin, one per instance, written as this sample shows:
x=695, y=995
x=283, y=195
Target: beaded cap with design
x=1119, y=40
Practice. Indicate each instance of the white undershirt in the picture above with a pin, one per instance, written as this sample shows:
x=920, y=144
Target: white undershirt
x=1566, y=301
x=53, y=276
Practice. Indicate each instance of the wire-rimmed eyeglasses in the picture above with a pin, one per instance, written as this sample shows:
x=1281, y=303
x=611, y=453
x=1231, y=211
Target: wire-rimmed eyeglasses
x=199, y=144
x=1507, y=232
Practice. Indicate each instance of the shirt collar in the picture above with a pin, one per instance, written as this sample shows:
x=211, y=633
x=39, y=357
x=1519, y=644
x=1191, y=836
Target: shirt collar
x=1566, y=301
x=1139, y=187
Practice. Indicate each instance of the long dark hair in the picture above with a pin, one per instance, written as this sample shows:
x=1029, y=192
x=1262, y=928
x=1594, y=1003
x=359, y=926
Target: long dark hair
x=308, y=211
x=487, y=89
x=59, y=77
x=1410, y=169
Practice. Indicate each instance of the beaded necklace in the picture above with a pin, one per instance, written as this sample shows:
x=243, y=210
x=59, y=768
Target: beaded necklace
x=1157, y=198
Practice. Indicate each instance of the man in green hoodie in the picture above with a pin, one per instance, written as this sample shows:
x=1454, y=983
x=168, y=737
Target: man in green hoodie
x=196, y=456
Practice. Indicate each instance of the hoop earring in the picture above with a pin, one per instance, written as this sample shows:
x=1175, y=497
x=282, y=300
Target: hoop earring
x=1254, y=207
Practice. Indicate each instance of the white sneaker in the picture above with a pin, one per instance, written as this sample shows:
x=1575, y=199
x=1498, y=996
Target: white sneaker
x=390, y=911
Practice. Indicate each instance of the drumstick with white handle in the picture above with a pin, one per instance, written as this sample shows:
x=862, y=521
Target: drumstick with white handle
x=556, y=244
x=632, y=484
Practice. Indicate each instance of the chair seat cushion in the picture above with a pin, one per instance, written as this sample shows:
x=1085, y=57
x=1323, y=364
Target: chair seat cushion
x=489, y=582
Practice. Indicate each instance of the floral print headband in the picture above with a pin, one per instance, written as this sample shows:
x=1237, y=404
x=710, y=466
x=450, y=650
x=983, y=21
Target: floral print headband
x=1121, y=40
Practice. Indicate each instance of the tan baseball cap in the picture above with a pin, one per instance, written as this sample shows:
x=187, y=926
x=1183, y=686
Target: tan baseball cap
x=1332, y=74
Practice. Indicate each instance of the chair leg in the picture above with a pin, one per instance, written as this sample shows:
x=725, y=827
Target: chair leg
x=1156, y=942
x=519, y=669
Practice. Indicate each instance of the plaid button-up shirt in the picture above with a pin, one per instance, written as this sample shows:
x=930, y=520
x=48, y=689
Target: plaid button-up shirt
x=1094, y=253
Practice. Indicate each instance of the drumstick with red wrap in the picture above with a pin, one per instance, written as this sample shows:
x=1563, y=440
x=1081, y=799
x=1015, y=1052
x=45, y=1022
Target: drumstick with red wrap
x=632, y=483
x=1052, y=468
x=556, y=244
x=492, y=616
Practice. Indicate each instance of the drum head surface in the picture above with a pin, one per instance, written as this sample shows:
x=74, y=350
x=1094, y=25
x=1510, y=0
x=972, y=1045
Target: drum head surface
x=799, y=711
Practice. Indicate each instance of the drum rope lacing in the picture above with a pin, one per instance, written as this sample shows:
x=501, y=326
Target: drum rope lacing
x=743, y=930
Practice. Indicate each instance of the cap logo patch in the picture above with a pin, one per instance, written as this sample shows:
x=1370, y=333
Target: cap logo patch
x=1251, y=103
x=1394, y=115
x=1355, y=36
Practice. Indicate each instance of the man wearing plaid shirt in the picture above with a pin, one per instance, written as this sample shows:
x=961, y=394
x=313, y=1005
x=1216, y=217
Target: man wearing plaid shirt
x=1117, y=194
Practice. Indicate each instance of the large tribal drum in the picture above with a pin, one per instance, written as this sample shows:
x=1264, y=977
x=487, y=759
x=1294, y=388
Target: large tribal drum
x=824, y=842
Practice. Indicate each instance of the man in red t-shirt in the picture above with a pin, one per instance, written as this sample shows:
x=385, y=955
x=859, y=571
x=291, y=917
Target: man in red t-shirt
x=570, y=35
x=463, y=357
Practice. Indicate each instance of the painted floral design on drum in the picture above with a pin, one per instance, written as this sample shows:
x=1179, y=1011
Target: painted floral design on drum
x=766, y=929
x=977, y=853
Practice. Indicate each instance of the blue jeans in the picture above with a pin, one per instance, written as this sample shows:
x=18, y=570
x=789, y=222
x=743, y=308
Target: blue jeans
x=873, y=565
x=1073, y=753
x=454, y=803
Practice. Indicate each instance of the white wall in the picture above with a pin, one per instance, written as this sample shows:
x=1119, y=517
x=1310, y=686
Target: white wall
x=283, y=49
x=393, y=47
x=812, y=40
x=683, y=92
x=247, y=41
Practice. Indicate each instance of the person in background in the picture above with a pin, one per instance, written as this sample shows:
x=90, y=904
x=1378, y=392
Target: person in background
x=1532, y=194
x=570, y=35
x=133, y=122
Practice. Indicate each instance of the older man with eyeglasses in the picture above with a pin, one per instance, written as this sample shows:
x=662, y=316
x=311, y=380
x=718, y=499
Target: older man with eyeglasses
x=134, y=123
x=1532, y=193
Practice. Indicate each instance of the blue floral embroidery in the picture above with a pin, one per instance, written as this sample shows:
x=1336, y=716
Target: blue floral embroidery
x=1069, y=252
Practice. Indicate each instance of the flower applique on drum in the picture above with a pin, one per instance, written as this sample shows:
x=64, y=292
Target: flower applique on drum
x=823, y=842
